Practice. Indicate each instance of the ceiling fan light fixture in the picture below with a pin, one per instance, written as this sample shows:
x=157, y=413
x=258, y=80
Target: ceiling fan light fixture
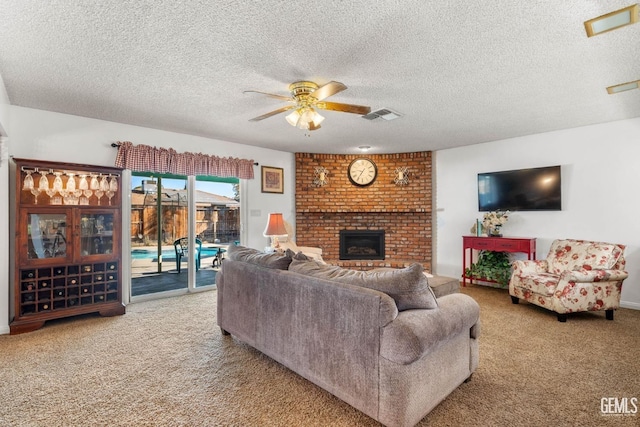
x=612, y=21
x=317, y=119
x=623, y=87
x=307, y=115
x=307, y=97
x=293, y=118
x=305, y=118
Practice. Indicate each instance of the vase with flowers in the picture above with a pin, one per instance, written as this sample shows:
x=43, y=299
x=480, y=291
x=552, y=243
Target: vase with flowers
x=493, y=221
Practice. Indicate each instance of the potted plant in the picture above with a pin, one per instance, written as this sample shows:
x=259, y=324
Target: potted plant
x=491, y=266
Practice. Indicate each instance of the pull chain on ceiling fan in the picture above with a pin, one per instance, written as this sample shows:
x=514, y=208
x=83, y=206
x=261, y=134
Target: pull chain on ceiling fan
x=306, y=98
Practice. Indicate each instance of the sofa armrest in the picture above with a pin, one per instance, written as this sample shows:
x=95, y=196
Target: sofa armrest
x=414, y=333
x=593, y=275
x=524, y=267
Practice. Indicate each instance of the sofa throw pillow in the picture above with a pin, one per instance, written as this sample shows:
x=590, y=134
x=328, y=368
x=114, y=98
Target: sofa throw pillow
x=311, y=253
x=300, y=256
x=407, y=286
x=277, y=261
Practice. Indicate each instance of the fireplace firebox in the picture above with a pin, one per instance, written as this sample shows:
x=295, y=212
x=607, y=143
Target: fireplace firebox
x=361, y=244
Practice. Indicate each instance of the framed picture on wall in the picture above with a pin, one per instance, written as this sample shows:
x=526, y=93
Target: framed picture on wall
x=272, y=180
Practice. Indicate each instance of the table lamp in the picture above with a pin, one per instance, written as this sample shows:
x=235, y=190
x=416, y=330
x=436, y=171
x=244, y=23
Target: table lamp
x=275, y=227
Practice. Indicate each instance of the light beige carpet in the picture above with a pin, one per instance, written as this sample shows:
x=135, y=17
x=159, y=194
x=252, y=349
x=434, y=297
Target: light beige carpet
x=165, y=363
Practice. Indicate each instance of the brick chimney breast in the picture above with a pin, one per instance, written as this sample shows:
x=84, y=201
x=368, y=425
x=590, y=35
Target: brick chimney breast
x=403, y=211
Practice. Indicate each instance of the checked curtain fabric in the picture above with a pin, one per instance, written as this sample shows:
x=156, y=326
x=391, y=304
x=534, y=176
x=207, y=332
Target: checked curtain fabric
x=144, y=158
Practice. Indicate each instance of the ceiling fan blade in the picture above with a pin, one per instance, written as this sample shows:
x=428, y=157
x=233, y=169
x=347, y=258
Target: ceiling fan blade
x=282, y=97
x=272, y=113
x=327, y=90
x=345, y=108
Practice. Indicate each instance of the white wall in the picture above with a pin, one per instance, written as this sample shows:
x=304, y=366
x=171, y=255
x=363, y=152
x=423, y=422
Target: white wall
x=44, y=135
x=600, y=177
x=4, y=108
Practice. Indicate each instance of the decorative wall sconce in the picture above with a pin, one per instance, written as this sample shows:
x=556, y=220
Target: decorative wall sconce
x=401, y=176
x=320, y=178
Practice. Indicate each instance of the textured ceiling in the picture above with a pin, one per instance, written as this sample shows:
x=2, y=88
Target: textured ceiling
x=459, y=72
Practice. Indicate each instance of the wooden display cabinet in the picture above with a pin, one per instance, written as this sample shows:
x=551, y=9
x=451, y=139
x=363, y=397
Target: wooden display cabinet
x=67, y=248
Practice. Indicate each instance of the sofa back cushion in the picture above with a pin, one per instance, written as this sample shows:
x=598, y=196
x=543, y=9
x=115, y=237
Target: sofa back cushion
x=569, y=254
x=408, y=286
x=274, y=260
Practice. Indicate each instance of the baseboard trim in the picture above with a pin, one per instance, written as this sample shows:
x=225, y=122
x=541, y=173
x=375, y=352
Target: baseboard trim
x=631, y=305
x=4, y=330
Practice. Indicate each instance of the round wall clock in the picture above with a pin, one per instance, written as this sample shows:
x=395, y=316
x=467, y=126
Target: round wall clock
x=362, y=172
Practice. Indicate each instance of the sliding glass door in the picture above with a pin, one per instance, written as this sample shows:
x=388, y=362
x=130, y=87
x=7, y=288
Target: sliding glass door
x=180, y=230
x=217, y=222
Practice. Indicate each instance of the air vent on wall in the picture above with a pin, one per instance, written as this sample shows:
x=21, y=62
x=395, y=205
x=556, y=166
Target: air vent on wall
x=383, y=113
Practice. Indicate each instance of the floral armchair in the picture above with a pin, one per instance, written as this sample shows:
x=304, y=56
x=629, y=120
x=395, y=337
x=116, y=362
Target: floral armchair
x=576, y=276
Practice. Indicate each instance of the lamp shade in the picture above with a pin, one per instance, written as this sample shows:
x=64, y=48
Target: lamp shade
x=293, y=118
x=275, y=226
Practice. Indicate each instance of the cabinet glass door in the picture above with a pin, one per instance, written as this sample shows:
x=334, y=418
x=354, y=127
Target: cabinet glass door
x=96, y=233
x=46, y=235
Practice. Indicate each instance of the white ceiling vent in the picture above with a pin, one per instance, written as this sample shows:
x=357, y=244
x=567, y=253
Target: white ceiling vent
x=383, y=113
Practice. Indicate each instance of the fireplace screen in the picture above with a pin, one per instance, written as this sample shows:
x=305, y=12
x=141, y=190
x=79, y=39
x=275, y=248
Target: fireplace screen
x=361, y=244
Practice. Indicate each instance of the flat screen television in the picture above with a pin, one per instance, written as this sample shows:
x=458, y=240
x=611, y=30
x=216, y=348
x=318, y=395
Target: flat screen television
x=535, y=189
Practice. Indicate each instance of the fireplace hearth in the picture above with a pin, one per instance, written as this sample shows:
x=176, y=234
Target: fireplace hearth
x=361, y=244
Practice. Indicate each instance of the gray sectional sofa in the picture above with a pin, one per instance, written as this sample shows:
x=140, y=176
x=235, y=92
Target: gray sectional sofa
x=393, y=355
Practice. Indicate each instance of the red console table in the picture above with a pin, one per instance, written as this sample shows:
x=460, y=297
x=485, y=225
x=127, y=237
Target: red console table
x=525, y=245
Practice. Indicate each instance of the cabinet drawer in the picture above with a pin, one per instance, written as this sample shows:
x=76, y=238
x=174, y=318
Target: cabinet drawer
x=484, y=244
x=512, y=245
x=480, y=244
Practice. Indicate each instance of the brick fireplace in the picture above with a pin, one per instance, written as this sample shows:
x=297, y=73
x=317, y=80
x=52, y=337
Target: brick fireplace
x=403, y=212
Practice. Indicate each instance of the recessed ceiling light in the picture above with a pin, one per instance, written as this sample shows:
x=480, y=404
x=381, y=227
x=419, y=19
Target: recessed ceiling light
x=623, y=87
x=611, y=21
x=364, y=147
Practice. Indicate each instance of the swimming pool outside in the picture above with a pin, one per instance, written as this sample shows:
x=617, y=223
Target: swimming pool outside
x=167, y=254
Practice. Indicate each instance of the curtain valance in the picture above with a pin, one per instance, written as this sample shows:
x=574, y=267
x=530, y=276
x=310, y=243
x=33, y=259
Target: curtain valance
x=144, y=158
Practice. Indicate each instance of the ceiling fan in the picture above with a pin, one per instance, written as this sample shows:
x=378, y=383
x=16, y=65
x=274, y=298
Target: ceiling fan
x=305, y=98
